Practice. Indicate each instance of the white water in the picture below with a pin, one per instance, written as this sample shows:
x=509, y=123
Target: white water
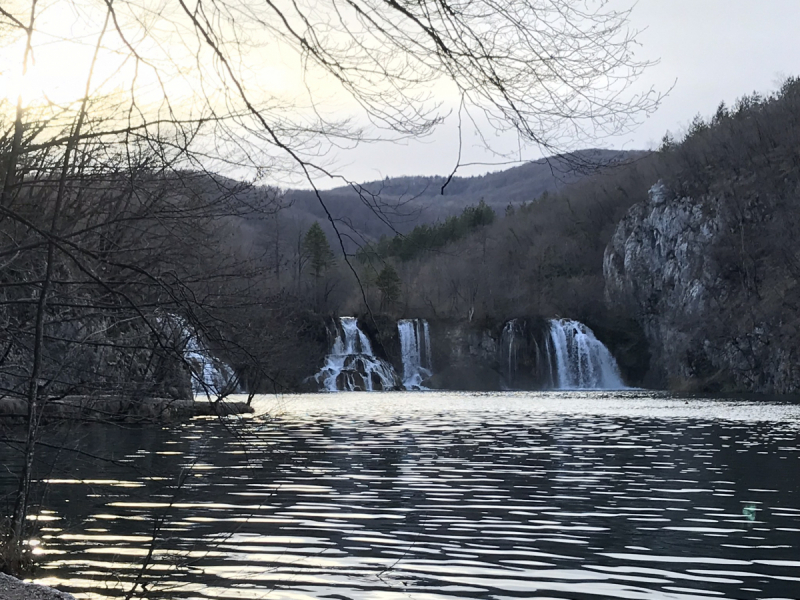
x=509, y=346
x=582, y=361
x=210, y=376
x=352, y=365
x=548, y=351
x=415, y=346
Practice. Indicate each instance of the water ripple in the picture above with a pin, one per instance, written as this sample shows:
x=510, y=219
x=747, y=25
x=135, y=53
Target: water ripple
x=437, y=496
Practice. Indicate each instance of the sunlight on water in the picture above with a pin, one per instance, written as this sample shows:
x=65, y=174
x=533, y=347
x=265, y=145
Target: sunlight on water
x=436, y=496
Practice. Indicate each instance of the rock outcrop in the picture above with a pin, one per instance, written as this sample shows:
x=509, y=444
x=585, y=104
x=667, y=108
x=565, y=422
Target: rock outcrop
x=709, y=294
x=465, y=356
x=14, y=589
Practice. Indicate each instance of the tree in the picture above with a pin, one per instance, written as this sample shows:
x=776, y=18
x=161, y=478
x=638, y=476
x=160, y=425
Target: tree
x=388, y=283
x=559, y=75
x=113, y=188
x=319, y=256
x=318, y=251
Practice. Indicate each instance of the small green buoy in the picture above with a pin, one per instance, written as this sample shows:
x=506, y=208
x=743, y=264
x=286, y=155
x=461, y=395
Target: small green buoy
x=749, y=512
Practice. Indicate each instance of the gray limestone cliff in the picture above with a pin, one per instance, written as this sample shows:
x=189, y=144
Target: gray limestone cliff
x=706, y=281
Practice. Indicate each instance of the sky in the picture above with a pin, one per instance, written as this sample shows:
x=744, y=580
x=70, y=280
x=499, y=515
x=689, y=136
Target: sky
x=708, y=51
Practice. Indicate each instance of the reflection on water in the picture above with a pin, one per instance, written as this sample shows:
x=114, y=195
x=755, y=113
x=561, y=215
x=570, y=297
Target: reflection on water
x=432, y=496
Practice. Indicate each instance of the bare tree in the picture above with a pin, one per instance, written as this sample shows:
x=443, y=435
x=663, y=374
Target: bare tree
x=558, y=72
x=108, y=195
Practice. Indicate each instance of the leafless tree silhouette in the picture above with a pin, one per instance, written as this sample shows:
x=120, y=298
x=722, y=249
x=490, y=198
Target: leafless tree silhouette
x=115, y=202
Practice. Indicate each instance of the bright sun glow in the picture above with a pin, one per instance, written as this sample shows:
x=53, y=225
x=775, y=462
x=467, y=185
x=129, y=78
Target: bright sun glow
x=64, y=44
x=56, y=68
x=59, y=79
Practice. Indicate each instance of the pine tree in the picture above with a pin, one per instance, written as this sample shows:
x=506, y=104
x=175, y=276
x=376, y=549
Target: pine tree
x=388, y=283
x=317, y=250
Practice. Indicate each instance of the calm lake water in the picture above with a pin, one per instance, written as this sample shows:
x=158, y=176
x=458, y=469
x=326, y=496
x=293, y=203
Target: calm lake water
x=432, y=496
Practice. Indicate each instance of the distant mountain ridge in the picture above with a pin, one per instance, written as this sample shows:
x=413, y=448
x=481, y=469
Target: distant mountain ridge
x=407, y=201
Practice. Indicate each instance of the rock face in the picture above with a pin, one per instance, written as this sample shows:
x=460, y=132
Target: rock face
x=710, y=306
x=98, y=353
x=527, y=361
x=465, y=356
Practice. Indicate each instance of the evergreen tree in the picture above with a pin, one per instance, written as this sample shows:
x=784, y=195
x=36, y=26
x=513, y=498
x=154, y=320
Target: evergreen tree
x=388, y=283
x=429, y=237
x=317, y=250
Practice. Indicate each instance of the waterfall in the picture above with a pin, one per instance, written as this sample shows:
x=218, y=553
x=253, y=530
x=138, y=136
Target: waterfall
x=509, y=347
x=548, y=352
x=415, y=346
x=210, y=376
x=582, y=361
x=352, y=365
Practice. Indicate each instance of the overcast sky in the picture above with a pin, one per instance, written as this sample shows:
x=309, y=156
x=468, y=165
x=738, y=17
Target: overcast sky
x=711, y=50
x=707, y=51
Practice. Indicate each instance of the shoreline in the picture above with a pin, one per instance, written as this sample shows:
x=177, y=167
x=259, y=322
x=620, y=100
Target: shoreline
x=12, y=588
x=116, y=409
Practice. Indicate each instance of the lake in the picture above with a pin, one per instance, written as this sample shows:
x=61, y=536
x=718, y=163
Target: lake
x=431, y=496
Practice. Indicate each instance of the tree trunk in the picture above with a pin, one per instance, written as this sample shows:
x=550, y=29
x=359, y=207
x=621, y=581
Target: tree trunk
x=23, y=490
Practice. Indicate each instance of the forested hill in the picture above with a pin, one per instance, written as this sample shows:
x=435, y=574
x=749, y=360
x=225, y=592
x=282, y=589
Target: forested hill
x=685, y=262
x=409, y=201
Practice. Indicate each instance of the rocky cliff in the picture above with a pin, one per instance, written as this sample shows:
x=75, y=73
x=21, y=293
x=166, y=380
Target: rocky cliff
x=465, y=355
x=714, y=294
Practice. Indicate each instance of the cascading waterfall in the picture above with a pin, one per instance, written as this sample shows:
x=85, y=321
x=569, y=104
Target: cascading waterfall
x=210, y=376
x=533, y=353
x=509, y=346
x=582, y=361
x=352, y=365
x=548, y=352
x=415, y=347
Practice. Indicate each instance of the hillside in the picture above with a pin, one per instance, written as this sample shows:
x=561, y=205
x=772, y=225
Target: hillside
x=709, y=262
x=698, y=242
x=400, y=203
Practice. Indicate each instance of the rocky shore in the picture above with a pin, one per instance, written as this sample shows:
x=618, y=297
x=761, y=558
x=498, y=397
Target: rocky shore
x=14, y=589
x=114, y=408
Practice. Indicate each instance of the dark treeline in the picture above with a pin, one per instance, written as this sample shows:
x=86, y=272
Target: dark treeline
x=399, y=204
x=256, y=282
x=538, y=257
x=426, y=238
